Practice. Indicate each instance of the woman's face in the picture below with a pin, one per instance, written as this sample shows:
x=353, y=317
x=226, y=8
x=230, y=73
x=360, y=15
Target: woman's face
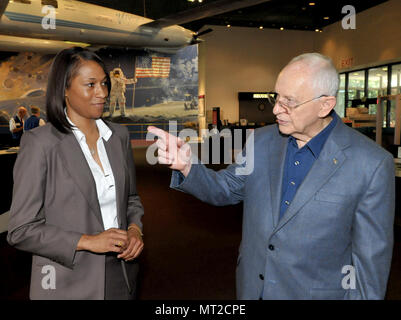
x=86, y=96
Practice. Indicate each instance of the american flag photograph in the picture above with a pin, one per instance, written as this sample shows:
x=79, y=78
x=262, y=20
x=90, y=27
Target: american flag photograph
x=166, y=87
x=153, y=67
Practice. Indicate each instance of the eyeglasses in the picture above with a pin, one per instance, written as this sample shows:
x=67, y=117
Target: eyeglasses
x=275, y=98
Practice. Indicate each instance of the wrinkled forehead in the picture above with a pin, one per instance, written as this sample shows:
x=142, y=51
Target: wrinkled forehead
x=293, y=78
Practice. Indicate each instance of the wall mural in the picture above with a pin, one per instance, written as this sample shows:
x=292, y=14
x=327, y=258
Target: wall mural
x=147, y=88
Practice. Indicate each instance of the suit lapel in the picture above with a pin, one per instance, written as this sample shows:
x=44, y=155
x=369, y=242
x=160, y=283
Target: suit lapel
x=330, y=160
x=114, y=151
x=75, y=163
x=277, y=152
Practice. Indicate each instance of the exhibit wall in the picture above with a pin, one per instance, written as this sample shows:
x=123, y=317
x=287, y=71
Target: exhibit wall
x=235, y=59
x=376, y=38
x=23, y=81
x=152, y=88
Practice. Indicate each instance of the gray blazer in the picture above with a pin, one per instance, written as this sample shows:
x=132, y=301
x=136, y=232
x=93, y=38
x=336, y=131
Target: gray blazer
x=342, y=215
x=55, y=202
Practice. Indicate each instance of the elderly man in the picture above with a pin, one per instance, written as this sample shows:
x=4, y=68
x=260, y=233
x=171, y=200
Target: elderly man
x=17, y=125
x=319, y=203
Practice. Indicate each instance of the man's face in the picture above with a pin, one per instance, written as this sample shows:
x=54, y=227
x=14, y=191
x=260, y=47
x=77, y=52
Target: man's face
x=21, y=112
x=294, y=86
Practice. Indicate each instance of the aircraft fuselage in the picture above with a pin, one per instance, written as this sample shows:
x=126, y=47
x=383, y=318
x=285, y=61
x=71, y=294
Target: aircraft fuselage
x=86, y=23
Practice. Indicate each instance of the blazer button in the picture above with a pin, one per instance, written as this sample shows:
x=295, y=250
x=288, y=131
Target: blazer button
x=261, y=277
x=271, y=247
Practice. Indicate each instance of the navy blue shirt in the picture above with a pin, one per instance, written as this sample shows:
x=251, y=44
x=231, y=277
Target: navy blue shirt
x=31, y=122
x=299, y=161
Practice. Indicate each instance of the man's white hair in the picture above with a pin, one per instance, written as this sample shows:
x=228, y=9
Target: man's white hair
x=324, y=73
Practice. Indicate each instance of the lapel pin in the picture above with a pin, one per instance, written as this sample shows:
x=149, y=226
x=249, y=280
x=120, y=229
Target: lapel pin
x=335, y=161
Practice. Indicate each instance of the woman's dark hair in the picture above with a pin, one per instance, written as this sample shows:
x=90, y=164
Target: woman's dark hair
x=64, y=68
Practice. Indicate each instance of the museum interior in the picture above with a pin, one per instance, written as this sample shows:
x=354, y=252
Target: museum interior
x=221, y=80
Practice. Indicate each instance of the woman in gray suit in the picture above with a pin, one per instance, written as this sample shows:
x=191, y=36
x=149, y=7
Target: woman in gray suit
x=75, y=204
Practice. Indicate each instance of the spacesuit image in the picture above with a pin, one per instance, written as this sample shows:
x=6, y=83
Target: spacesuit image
x=117, y=92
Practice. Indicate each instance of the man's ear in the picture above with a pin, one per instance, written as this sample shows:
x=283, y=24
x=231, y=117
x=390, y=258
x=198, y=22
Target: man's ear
x=328, y=104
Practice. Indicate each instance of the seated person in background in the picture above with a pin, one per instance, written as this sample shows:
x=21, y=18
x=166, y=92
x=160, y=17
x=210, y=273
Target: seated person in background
x=17, y=125
x=34, y=120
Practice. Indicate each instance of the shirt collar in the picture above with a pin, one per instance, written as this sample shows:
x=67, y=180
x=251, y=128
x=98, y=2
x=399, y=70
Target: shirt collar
x=104, y=130
x=316, y=144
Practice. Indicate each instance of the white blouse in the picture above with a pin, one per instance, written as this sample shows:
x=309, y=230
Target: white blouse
x=105, y=183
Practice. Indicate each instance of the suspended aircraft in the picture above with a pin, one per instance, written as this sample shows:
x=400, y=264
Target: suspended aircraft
x=51, y=25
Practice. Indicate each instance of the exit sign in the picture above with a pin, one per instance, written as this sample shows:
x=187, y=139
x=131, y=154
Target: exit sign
x=347, y=63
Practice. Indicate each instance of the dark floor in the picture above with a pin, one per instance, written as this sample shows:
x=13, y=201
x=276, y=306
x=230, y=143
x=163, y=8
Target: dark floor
x=190, y=247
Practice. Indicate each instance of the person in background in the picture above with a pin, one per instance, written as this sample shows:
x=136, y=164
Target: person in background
x=75, y=206
x=17, y=125
x=319, y=203
x=34, y=120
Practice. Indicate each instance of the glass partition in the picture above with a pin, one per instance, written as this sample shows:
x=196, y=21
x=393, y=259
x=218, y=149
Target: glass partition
x=340, y=106
x=360, y=89
x=356, y=86
x=377, y=82
x=396, y=79
x=392, y=113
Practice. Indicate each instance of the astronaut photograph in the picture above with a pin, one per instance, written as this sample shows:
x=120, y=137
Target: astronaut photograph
x=144, y=87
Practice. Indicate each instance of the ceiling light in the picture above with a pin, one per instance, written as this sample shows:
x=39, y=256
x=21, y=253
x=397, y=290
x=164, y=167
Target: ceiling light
x=320, y=30
x=317, y=30
x=229, y=25
x=356, y=74
x=281, y=28
x=384, y=69
x=326, y=18
x=261, y=27
x=191, y=0
x=312, y=3
x=200, y=1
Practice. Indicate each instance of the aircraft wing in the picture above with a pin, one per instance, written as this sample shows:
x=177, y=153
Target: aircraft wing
x=22, y=44
x=207, y=10
x=3, y=6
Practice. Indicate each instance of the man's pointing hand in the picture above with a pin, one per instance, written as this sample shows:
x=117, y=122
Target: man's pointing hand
x=172, y=151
